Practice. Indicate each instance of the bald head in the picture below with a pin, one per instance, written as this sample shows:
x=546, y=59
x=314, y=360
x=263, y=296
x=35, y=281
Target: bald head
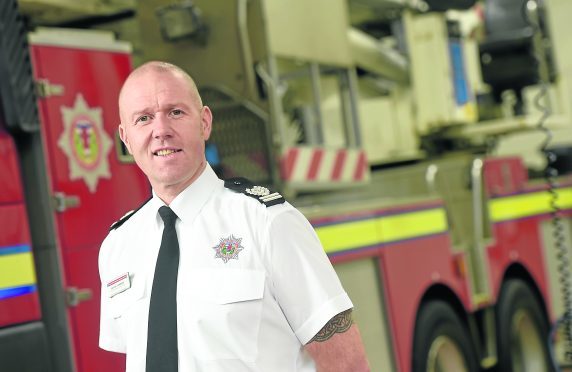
x=159, y=67
x=164, y=126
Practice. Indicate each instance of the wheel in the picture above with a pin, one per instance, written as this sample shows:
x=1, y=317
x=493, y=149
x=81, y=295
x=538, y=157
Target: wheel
x=522, y=330
x=441, y=341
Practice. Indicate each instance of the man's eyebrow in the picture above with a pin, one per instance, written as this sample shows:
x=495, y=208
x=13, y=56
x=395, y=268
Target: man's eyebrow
x=139, y=112
x=136, y=114
x=178, y=104
x=167, y=106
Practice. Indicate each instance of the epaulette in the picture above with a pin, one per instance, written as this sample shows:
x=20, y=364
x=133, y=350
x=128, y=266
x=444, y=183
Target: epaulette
x=127, y=216
x=260, y=193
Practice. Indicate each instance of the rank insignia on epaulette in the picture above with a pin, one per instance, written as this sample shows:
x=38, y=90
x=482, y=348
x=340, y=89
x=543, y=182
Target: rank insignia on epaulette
x=263, y=194
x=260, y=193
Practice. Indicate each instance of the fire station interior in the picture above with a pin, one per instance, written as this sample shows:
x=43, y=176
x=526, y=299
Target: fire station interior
x=428, y=142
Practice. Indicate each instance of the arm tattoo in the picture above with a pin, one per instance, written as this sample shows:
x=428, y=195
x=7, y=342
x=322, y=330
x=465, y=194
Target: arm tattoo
x=338, y=324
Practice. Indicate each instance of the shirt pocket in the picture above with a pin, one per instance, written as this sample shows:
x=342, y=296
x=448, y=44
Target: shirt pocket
x=129, y=310
x=121, y=303
x=225, y=307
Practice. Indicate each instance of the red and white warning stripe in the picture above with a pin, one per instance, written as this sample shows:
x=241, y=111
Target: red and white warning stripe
x=315, y=165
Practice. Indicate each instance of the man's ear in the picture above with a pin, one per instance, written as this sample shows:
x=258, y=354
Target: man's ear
x=206, y=122
x=124, y=139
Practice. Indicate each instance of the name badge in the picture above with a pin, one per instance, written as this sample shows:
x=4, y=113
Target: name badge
x=118, y=285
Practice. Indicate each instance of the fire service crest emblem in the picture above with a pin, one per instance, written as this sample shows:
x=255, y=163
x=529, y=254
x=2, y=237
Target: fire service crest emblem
x=85, y=143
x=228, y=248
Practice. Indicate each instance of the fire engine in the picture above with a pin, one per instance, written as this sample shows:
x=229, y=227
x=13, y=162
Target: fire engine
x=428, y=143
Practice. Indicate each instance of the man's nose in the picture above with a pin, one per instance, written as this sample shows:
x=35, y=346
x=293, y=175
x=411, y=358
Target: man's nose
x=162, y=127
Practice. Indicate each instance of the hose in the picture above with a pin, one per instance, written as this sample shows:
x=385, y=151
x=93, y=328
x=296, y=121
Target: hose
x=541, y=101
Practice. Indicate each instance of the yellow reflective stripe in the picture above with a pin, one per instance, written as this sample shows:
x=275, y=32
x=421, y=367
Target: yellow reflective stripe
x=382, y=229
x=526, y=205
x=412, y=225
x=16, y=270
x=348, y=235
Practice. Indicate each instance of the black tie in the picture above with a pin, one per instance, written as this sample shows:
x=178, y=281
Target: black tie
x=162, y=353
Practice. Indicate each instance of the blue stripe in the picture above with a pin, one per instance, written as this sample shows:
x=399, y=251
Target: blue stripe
x=459, y=79
x=22, y=248
x=16, y=291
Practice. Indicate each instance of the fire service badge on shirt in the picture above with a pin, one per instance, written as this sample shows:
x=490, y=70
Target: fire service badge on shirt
x=228, y=248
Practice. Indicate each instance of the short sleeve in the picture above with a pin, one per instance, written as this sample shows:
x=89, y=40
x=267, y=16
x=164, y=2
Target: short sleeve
x=110, y=335
x=304, y=282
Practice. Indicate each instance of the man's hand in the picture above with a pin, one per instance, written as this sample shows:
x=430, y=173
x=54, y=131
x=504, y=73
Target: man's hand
x=338, y=346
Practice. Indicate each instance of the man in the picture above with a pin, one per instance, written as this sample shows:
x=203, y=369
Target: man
x=207, y=275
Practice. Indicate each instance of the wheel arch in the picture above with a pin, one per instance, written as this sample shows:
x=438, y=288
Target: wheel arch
x=522, y=293
x=443, y=293
x=518, y=271
x=436, y=293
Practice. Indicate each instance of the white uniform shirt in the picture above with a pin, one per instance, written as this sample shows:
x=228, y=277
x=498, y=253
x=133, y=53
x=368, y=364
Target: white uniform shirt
x=253, y=312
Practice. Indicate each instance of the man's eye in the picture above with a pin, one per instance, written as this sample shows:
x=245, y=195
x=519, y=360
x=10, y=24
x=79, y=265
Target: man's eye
x=142, y=119
x=176, y=112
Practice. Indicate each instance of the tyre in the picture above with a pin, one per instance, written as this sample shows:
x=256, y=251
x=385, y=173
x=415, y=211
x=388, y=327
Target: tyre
x=522, y=330
x=441, y=341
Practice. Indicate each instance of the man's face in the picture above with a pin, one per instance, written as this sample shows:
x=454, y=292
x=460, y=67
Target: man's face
x=164, y=128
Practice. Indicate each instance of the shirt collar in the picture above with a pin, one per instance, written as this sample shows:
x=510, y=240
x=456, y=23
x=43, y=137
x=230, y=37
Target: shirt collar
x=189, y=202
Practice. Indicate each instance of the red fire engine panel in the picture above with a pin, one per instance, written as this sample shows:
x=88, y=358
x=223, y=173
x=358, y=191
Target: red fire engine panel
x=79, y=126
x=19, y=301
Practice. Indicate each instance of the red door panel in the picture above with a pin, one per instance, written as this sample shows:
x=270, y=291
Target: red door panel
x=79, y=124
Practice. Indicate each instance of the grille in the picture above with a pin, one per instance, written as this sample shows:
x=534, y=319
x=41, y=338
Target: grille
x=239, y=133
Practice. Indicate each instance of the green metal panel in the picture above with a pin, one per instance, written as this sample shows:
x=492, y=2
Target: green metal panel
x=361, y=281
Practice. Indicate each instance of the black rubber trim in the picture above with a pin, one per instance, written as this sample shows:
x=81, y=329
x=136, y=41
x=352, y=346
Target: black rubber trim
x=17, y=86
x=24, y=348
